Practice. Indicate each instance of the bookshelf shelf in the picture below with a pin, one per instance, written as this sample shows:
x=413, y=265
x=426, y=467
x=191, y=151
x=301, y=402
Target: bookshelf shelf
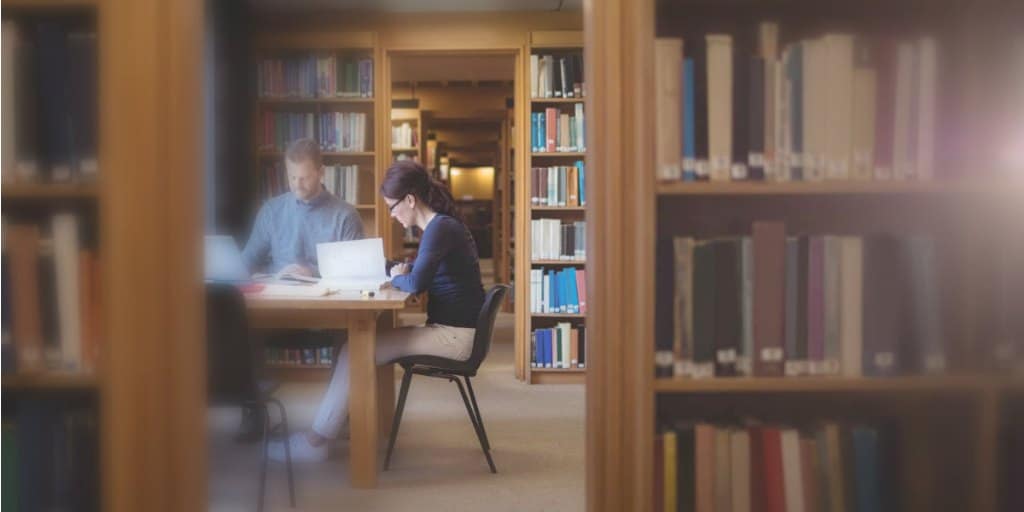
x=558, y=262
x=882, y=385
x=50, y=191
x=558, y=315
x=406, y=150
x=556, y=154
x=315, y=101
x=325, y=154
x=50, y=381
x=580, y=209
x=278, y=366
x=558, y=370
x=805, y=188
x=545, y=101
x=365, y=206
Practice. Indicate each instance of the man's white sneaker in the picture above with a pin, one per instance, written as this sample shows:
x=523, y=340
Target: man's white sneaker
x=301, y=450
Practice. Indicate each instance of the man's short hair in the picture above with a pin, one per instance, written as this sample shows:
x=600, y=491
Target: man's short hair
x=303, y=150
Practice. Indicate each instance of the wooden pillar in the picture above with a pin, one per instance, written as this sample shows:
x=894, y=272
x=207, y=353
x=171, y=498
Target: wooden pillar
x=153, y=413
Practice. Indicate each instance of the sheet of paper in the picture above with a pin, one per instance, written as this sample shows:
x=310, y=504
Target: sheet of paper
x=353, y=264
x=284, y=290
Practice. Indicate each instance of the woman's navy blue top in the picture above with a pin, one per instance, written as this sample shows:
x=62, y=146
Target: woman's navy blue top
x=448, y=269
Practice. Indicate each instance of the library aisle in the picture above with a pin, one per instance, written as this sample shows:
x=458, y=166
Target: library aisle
x=537, y=434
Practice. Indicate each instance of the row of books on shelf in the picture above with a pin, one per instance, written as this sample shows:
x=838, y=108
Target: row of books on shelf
x=835, y=107
x=553, y=131
x=772, y=305
x=309, y=356
x=562, y=346
x=50, y=456
x=559, y=291
x=335, y=131
x=556, y=76
x=405, y=136
x=315, y=76
x=552, y=240
x=51, y=298
x=776, y=468
x=559, y=185
x=49, y=101
x=340, y=180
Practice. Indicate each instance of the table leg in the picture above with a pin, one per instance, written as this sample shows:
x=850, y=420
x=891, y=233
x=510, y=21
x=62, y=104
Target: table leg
x=386, y=398
x=363, y=400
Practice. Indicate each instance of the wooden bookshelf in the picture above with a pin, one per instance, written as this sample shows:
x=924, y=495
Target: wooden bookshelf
x=49, y=191
x=557, y=42
x=50, y=381
x=377, y=151
x=360, y=44
x=626, y=403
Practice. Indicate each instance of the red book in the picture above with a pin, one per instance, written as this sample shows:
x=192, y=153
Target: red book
x=769, y=240
x=773, y=493
x=581, y=288
x=550, y=129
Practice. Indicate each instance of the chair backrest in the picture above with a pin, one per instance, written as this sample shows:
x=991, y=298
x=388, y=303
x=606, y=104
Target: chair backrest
x=231, y=376
x=485, y=325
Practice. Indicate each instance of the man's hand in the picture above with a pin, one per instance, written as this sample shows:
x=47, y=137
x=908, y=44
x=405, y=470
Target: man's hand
x=400, y=268
x=296, y=269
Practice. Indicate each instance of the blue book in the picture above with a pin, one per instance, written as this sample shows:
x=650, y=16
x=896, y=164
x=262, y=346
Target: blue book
x=574, y=293
x=541, y=350
x=552, y=295
x=689, y=143
x=795, y=73
x=566, y=297
x=533, y=132
x=866, y=469
x=582, y=174
x=548, y=359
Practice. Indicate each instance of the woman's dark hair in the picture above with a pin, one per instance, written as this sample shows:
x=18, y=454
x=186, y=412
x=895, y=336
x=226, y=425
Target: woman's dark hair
x=409, y=177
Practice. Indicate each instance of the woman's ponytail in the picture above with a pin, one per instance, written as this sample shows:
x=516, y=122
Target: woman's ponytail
x=406, y=177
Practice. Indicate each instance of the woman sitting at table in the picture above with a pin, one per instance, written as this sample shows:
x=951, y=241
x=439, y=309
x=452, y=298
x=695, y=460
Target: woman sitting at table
x=446, y=267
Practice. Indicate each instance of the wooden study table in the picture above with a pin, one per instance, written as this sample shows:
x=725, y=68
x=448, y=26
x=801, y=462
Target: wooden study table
x=371, y=393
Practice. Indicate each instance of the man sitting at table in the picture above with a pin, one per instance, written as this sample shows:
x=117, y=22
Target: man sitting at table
x=289, y=226
x=284, y=239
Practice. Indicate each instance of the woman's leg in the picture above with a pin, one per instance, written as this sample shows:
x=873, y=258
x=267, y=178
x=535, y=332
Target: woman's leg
x=392, y=344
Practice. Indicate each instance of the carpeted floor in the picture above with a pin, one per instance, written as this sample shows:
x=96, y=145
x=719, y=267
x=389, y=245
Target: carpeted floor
x=536, y=434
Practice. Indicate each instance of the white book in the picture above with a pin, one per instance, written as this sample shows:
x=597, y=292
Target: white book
x=534, y=75
x=668, y=64
x=902, y=126
x=792, y=476
x=840, y=106
x=927, y=78
x=581, y=140
x=719, y=63
x=851, y=297
x=545, y=293
x=66, y=250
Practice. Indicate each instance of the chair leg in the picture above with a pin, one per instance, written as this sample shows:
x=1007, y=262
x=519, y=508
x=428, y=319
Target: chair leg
x=479, y=417
x=406, y=381
x=287, y=451
x=476, y=426
x=263, y=463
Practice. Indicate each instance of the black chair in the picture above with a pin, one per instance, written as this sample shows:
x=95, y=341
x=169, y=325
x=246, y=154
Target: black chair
x=452, y=370
x=231, y=373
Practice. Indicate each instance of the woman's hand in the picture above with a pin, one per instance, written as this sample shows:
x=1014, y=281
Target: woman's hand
x=400, y=268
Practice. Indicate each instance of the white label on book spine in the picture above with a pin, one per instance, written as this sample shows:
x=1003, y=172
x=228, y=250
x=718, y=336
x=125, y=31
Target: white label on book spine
x=703, y=370
x=883, y=172
x=885, y=359
x=738, y=171
x=795, y=368
x=796, y=159
x=771, y=354
x=703, y=168
x=743, y=366
x=830, y=367
x=726, y=356
x=690, y=165
x=684, y=368
x=935, y=363
x=756, y=160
